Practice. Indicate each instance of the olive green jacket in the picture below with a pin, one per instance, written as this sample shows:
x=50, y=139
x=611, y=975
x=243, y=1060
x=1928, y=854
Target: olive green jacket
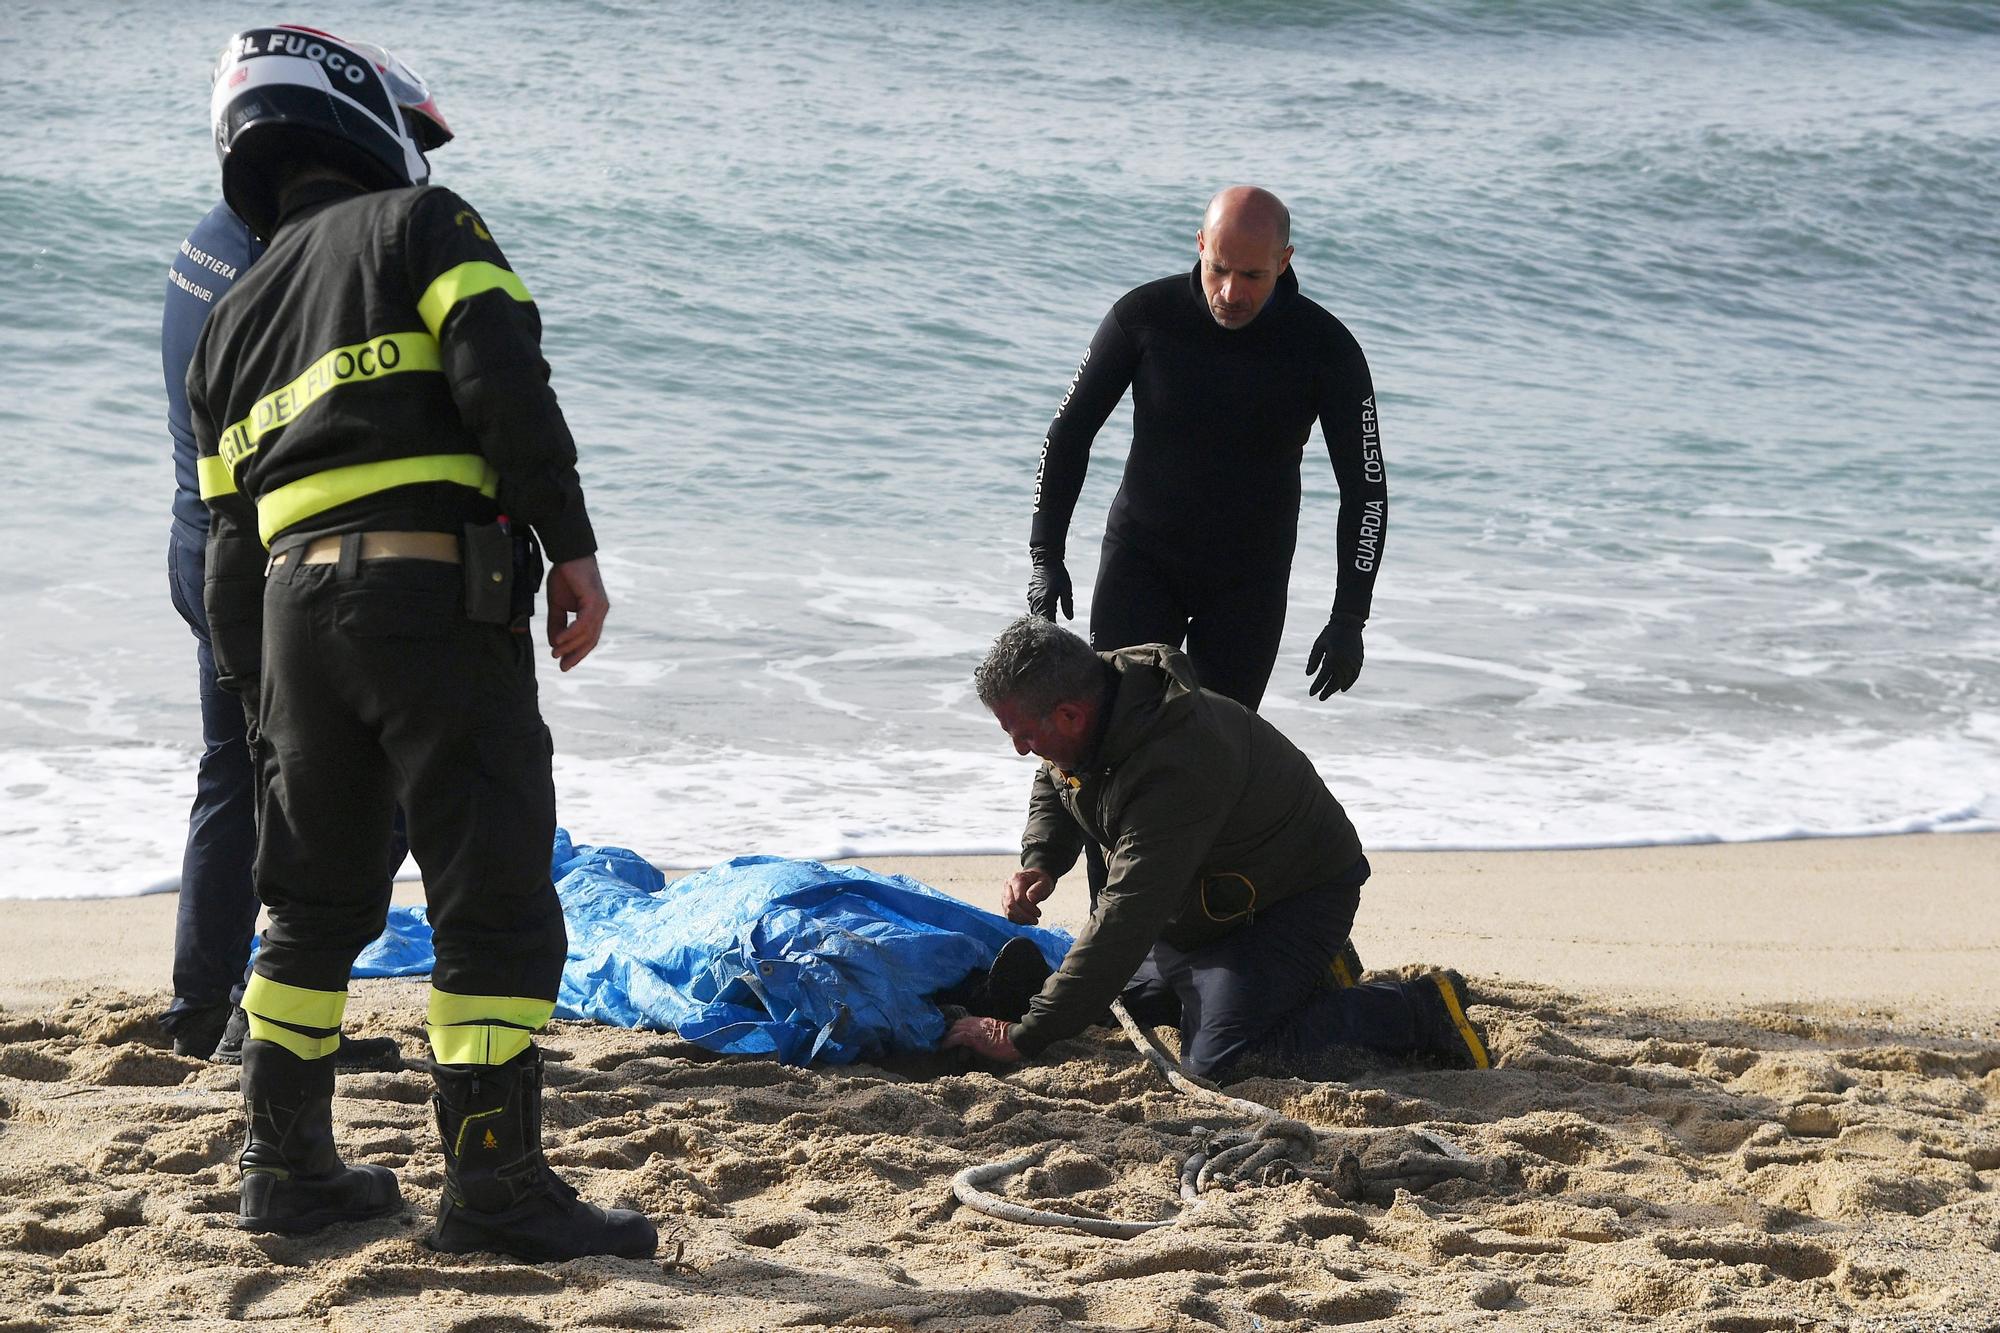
x=1206, y=814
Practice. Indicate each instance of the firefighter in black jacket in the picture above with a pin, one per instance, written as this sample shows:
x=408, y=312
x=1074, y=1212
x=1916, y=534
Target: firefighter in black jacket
x=380, y=451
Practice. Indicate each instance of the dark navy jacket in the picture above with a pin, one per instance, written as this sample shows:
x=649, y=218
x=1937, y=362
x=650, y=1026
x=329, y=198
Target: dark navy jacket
x=210, y=260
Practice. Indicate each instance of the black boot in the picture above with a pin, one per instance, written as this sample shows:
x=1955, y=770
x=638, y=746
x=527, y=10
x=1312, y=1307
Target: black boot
x=293, y=1178
x=229, y=1051
x=1444, y=1032
x=1012, y=983
x=196, y=1031
x=500, y=1194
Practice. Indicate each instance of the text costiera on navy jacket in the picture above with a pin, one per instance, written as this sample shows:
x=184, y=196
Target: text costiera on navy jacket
x=208, y=263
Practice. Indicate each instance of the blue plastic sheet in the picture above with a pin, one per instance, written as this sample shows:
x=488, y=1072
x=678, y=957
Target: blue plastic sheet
x=756, y=956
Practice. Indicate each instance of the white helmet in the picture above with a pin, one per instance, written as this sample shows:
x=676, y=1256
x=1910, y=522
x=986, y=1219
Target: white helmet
x=286, y=94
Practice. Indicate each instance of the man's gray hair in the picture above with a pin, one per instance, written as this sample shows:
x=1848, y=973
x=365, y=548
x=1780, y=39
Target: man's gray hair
x=1036, y=664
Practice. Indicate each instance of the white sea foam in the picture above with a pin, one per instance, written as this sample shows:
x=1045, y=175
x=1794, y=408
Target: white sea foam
x=108, y=822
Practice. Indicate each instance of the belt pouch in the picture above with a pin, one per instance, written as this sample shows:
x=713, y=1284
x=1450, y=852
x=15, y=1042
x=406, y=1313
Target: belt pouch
x=488, y=563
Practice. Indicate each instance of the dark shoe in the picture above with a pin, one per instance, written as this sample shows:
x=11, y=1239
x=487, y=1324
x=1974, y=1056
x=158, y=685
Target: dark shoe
x=1345, y=969
x=293, y=1178
x=1443, y=1030
x=363, y=1054
x=500, y=1195
x=1012, y=983
x=229, y=1051
x=196, y=1031
x=356, y=1054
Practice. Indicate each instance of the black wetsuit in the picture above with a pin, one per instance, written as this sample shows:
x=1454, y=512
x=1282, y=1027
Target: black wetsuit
x=1200, y=537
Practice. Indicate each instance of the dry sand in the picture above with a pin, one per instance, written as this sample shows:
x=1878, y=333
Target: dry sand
x=1738, y=1088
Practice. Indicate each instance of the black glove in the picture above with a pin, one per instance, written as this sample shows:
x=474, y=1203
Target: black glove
x=1336, y=655
x=1048, y=585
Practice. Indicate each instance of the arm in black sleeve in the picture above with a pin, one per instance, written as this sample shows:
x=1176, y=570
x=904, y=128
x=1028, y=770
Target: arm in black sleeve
x=490, y=346
x=1348, y=418
x=1100, y=381
x=232, y=591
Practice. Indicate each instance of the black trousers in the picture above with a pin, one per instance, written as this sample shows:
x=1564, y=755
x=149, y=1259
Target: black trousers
x=1230, y=620
x=1264, y=990
x=377, y=691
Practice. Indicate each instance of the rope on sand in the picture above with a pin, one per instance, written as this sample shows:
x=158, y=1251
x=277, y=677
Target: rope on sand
x=1149, y=1046
x=966, y=1185
x=1274, y=1151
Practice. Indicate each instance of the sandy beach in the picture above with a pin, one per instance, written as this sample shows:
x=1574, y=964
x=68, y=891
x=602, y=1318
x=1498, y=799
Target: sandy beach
x=1747, y=1087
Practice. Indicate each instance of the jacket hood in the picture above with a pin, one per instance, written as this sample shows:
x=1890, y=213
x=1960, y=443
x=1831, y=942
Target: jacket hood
x=1155, y=692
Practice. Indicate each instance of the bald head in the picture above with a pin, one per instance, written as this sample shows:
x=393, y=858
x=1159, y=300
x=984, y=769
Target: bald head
x=1245, y=243
x=1251, y=210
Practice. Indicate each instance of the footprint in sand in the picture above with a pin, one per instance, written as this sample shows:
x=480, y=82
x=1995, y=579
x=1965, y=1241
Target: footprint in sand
x=56, y=1226
x=1795, y=1260
x=129, y=1066
x=32, y=1064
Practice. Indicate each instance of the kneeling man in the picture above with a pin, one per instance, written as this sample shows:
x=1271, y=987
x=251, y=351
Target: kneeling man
x=1233, y=873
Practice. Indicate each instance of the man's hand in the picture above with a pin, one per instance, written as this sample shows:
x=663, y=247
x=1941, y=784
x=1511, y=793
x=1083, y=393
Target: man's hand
x=1021, y=900
x=577, y=607
x=1335, y=660
x=1048, y=583
x=983, y=1036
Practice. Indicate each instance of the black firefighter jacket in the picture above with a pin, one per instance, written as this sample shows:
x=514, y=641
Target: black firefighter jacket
x=1206, y=813
x=380, y=369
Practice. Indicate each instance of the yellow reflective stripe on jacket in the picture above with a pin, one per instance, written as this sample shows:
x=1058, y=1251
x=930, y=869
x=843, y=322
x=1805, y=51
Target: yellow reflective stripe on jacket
x=390, y=354
x=277, y=1012
x=463, y=283
x=214, y=476
x=298, y=500
x=483, y=1029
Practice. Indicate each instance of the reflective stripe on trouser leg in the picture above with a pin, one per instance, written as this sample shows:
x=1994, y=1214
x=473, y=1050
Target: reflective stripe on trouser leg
x=483, y=1029
x=304, y=1022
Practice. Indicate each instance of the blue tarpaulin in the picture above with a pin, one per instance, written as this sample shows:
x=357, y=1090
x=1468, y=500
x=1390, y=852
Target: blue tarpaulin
x=756, y=956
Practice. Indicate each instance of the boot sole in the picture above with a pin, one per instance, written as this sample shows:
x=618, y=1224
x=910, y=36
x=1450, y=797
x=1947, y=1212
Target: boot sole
x=307, y=1222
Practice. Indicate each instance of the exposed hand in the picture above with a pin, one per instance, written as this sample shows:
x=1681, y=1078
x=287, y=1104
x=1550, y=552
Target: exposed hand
x=577, y=607
x=1048, y=583
x=1336, y=655
x=983, y=1036
x=1025, y=892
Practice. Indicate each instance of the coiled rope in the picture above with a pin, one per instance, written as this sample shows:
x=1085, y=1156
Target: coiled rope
x=1271, y=1150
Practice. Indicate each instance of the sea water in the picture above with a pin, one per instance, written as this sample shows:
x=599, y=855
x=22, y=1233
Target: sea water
x=1682, y=318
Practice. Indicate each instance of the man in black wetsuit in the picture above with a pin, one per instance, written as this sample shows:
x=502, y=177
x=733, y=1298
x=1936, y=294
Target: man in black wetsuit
x=1229, y=366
